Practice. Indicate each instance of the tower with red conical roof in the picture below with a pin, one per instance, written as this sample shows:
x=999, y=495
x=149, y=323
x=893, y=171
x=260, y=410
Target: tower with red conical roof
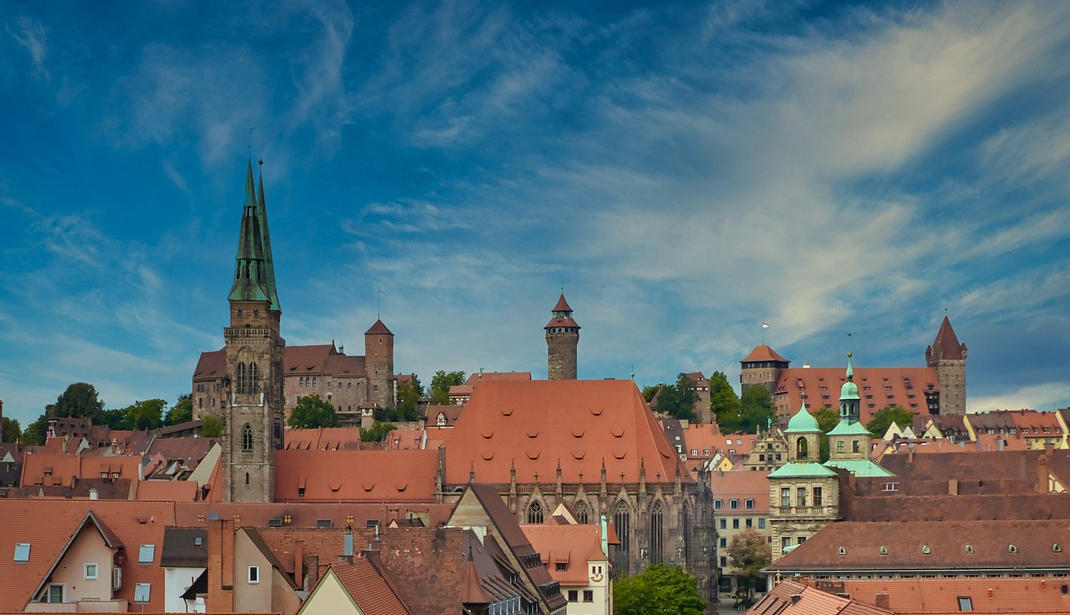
x=562, y=337
x=761, y=367
x=948, y=357
x=379, y=361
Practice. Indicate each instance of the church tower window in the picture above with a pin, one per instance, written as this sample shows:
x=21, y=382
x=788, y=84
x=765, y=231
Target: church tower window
x=535, y=512
x=246, y=438
x=656, y=533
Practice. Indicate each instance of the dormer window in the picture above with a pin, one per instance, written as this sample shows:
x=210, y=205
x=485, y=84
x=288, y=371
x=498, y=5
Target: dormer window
x=22, y=552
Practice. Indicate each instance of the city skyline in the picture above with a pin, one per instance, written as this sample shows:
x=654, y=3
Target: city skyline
x=685, y=172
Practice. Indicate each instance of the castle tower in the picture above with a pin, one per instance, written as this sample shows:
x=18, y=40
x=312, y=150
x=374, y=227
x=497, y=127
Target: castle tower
x=948, y=357
x=762, y=367
x=252, y=416
x=562, y=337
x=379, y=360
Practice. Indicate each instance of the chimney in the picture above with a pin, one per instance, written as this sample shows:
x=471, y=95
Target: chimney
x=1042, y=473
x=313, y=575
x=952, y=486
x=882, y=601
x=299, y=561
x=220, y=598
x=910, y=454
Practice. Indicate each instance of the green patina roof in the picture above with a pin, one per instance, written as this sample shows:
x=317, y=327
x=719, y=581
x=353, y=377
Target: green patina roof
x=858, y=467
x=250, y=272
x=849, y=428
x=801, y=470
x=849, y=390
x=269, y=262
x=802, y=422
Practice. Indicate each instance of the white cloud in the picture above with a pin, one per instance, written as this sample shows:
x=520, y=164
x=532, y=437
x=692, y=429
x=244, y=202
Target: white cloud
x=1045, y=396
x=33, y=37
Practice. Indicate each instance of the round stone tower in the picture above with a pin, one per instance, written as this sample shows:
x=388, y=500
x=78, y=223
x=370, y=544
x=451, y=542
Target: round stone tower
x=562, y=337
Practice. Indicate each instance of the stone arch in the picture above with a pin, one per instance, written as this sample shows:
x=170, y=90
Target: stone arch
x=802, y=448
x=581, y=510
x=246, y=438
x=535, y=512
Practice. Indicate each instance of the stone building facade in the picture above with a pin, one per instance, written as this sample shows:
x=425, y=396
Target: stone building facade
x=948, y=357
x=562, y=337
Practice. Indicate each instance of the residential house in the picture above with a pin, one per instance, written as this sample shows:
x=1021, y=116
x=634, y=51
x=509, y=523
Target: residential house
x=576, y=557
x=740, y=503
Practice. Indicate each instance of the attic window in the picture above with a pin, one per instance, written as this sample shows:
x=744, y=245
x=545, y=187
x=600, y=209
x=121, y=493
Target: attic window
x=965, y=604
x=968, y=549
x=146, y=554
x=561, y=566
x=1012, y=549
x=142, y=592
x=843, y=551
x=884, y=550
x=198, y=541
x=1057, y=548
x=22, y=552
x=925, y=549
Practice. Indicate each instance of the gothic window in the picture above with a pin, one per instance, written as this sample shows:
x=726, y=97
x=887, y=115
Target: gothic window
x=622, y=523
x=800, y=448
x=441, y=420
x=686, y=530
x=581, y=511
x=656, y=525
x=535, y=512
x=253, y=384
x=246, y=438
x=240, y=377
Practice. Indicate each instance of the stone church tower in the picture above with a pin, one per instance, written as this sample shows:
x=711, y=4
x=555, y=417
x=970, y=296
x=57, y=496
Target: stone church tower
x=562, y=337
x=252, y=416
x=948, y=357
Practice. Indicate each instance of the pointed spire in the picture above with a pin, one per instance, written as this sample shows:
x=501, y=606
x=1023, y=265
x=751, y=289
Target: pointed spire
x=249, y=272
x=269, y=261
x=946, y=345
x=850, y=368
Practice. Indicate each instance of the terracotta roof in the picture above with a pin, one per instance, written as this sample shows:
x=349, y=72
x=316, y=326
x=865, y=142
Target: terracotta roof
x=378, y=329
x=946, y=345
x=188, y=450
x=988, y=595
x=877, y=386
x=355, y=476
x=543, y=424
x=477, y=377
x=405, y=439
x=790, y=598
x=323, y=439
x=764, y=353
x=167, y=491
x=306, y=359
x=954, y=507
x=58, y=469
x=702, y=437
x=368, y=588
x=852, y=545
x=450, y=411
x=571, y=545
x=212, y=364
x=309, y=515
x=562, y=322
x=1031, y=423
x=741, y=486
x=132, y=523
x=977, y=466
x=562, y=305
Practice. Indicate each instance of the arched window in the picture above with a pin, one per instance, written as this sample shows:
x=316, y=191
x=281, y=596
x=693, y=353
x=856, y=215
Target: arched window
x=246, y=438
x=685, y=529
x=535, y=512
x=253, y=386
x=657, y=522
x=580, y=508
x=246, y=478
x=240, y=377
x=622, y=523
x=441, y=420
x=801, y=448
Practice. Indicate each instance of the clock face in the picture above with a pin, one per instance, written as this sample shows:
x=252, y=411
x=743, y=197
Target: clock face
x=596, y=578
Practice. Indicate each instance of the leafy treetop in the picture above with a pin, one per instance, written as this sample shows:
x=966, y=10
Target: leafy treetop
x=441, y=383
x=312, y=412
x=658, y=590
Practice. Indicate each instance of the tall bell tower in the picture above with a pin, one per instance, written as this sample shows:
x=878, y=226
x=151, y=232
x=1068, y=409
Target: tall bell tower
x=252, y=416
x=562, y=337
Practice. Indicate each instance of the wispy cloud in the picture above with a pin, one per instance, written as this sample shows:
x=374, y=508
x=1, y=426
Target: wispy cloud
x=1046, y=396
x=33, y=37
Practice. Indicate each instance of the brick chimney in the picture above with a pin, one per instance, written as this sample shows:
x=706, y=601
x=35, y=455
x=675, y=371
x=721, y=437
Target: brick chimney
x=1042, y=471
x=882, y=601
x=299, y=562
x=220, y=598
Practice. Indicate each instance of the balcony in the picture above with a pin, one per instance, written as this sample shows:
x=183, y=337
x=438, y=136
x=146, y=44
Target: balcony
x=246, y=332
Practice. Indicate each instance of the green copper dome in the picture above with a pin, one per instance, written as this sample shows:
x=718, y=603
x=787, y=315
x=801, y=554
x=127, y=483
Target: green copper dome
x=849, y=390
x=802, y=422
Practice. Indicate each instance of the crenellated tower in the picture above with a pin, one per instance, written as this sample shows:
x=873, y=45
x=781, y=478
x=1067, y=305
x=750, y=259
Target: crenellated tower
x=562, y=337
x=253, y=411
x=948, y=357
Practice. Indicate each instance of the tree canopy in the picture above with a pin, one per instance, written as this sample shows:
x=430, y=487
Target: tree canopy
x=827, y=418
x=441, y=383
x=887, y=415
x=376, y=432
x=724, y=403
x=749, y=553
x=755, y=409
x=10, y=429
x=409, y=394
x=211, y=426
x=181, y=412
x=658, y=590
x=676, y=400
x=312, y=412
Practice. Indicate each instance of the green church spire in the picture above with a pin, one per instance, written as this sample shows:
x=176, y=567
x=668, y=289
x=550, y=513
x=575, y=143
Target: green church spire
x=269, y=262
x=250, y=272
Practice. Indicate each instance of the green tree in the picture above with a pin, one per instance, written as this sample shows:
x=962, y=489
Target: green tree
x=181, y=412
x=749, y=553
x=724, y=403
x=37, y=432
x=79, y=400
x=658, y=590
x=312, y=412
x=409, y=394
x=650, y=391
x=827, y=418
x=441, y=383
x=888, y=415
x=755, y=409
x=211, y=426
x=10, y=429
x=146, y=414
x=376, y=432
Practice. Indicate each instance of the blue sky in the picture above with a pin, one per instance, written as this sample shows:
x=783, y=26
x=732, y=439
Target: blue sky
x=684, y=170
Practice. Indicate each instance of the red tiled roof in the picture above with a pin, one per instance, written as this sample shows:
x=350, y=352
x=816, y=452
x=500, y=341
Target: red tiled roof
x=345, y=365
x=355, y=476
x=741, y=486
x=212, y=364
x=562, y=305
x=990, y=546
x=167, y=491
x=307, y=515
x=542, y=424
x=378, y=329
x=946, y=344
x=48, y=525
x=368, y=588
x=450, y=411
x=702, y=437
x=302, y=359
x=477, y=377
x=988, y=595
x=572, y=545
x=65, y=468
x=877, y=386
x=562, y=322
x=405, y=439
x=764, y=353
x=790, y=598
x=323, y=438
x=1031, y=423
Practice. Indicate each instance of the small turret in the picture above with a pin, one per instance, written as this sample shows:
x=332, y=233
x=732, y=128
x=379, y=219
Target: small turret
x=562, y=337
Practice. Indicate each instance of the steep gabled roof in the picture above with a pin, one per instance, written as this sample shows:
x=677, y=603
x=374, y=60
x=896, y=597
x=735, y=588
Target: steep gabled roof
x=576, y=425
x=790, y=598
x=562, y=305
x=90, y=520
x=877, y=387
x=946, y=345
x=764, y=353
x=572, y=545
x=378, y=329
x=368, y=588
